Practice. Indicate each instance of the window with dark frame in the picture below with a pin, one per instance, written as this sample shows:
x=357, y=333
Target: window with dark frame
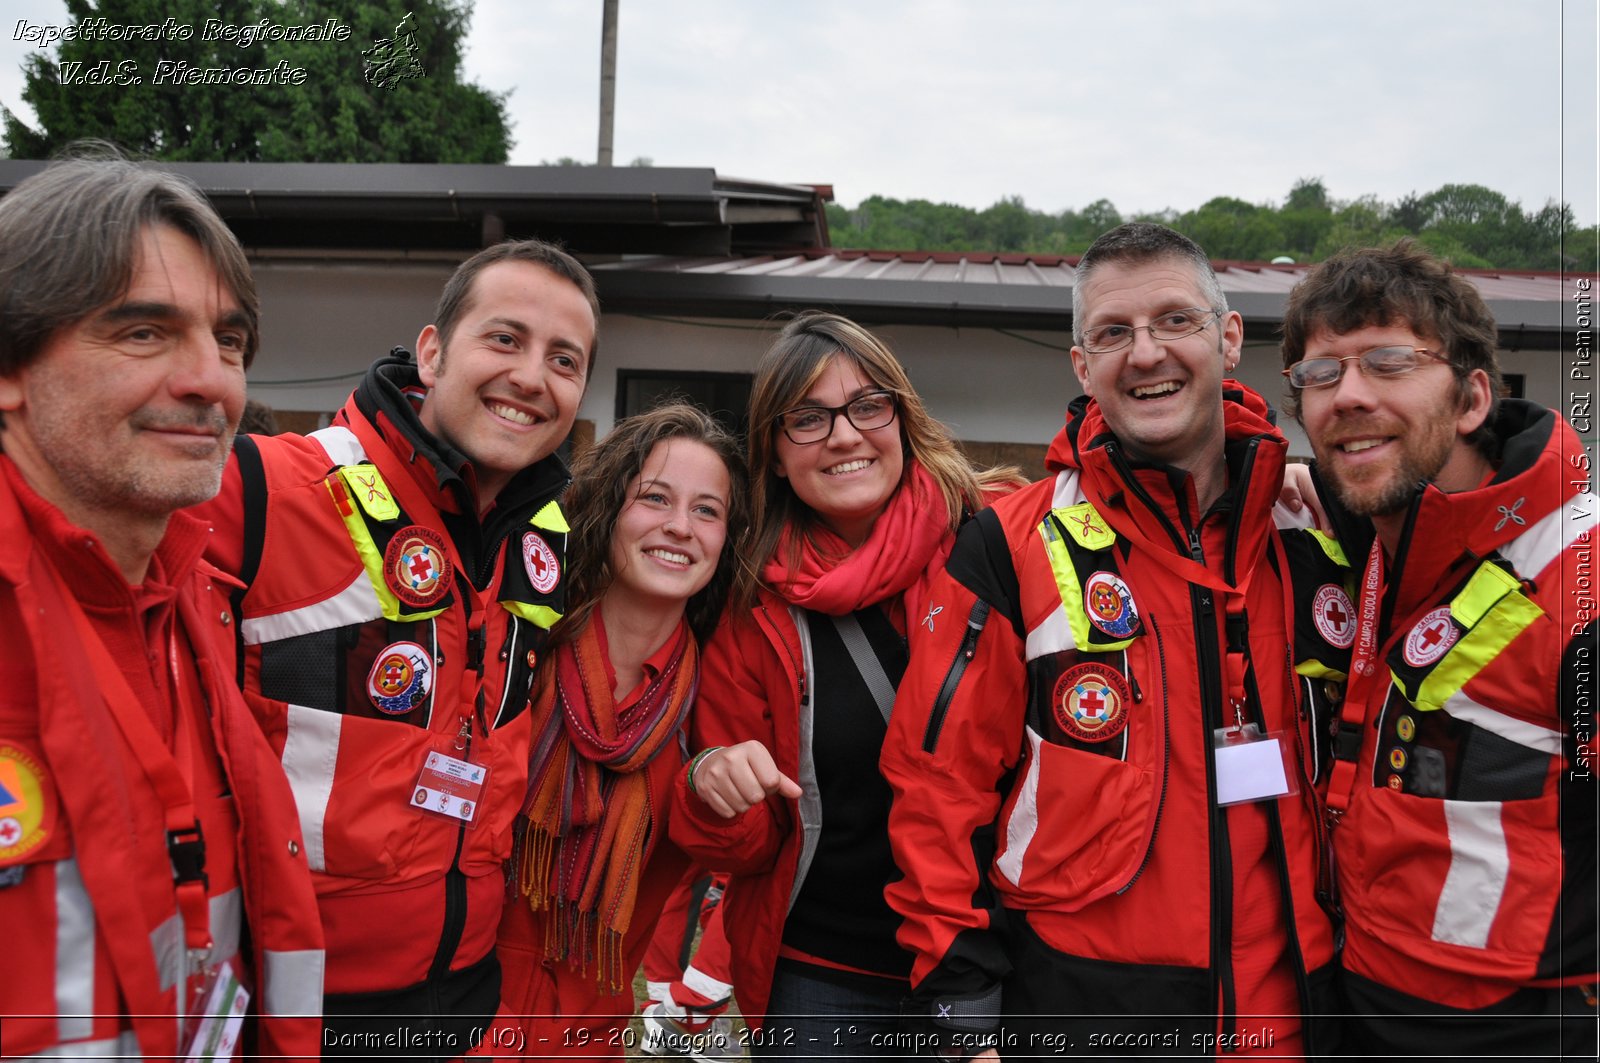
x=725, y=396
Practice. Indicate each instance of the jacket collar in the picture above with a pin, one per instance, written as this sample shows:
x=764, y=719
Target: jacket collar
x=1159, y=500
x=1463, y=526
x=389, y=398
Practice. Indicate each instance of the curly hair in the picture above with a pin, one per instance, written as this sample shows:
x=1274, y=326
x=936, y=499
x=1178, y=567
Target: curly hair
x=1402, y=285
x=601, y=482
x=794, y=362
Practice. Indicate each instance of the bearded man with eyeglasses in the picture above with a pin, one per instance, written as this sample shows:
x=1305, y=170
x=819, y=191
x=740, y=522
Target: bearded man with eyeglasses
x=1461, y=797
x=1103, y=764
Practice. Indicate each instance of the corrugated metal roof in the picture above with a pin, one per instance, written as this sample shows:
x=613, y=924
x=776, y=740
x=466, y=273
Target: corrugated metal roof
x=980, y=288
x=1038, y=270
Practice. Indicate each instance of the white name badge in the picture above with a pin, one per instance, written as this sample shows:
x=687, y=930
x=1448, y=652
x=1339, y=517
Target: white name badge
x=449, y=787
x=1251, y=766
x=222, y=1004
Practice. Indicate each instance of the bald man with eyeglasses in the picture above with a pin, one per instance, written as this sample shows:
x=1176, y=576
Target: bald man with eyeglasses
x=1461, y=797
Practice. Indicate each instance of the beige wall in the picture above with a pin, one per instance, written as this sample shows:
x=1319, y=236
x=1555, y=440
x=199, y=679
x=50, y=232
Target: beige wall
x=324, y=320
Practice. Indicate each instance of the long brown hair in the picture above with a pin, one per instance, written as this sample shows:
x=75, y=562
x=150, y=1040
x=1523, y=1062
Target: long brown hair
x=600, y=481
x=794, y=362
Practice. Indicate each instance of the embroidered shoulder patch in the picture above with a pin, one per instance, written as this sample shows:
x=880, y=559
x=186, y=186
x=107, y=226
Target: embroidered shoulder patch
x=366, y=486
x=1084, y=523
x=1334, y=615
x=416, y=567
x=1431, y=638
x=1091, y=702
x=27, y=804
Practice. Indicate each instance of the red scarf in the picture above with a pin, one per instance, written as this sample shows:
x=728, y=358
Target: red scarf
x=910, y=536
x=588, y=811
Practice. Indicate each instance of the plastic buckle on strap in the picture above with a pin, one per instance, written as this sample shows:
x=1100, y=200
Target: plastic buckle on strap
x=187, y=849
x=1347, y=743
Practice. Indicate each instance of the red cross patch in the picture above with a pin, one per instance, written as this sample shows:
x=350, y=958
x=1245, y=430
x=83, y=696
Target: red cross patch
x=1091, y=702
x=1432, y=637
x=540, y=561
x=416, y=566
x=1334, y=615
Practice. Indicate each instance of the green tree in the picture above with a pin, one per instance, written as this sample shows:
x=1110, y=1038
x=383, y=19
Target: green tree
x=333, y=114
x=1308, y=193
x=1233, y=229
x=1360, y=223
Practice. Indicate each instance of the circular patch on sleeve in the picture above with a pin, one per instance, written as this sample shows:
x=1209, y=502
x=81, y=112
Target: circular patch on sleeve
x=401, y=678
x=27, y=804
x=1405, y=727
x=1091, y=702
x=1397, y=759
x=1334, y=615
x=544, y=567
x=1109, y=605
x=1431, y=638
x=417, y=567
x=1396, y=783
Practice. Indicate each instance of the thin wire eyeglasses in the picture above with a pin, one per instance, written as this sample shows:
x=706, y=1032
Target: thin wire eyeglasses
x=1171, y=325
x=1378, y=362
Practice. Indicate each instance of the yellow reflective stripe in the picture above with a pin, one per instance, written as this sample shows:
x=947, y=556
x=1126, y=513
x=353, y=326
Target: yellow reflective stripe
x=1084, y=523
x=1331, y=547
x=1316, y=669
x=1071, y=591
x=372, y=558
x=1503, y=621
x=365, y=485
x=540, y=615
x=1487, y=586
x=550, y=518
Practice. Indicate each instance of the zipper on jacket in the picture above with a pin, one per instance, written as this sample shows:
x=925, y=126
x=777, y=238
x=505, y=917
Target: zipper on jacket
x=455, y=888
x=1203, y=603
x=952, y=679
x=1166, y=753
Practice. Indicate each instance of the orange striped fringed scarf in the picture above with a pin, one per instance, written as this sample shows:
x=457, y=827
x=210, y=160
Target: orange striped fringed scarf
x=588, y=815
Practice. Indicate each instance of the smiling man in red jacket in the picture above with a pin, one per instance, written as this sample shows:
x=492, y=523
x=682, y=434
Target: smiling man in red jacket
x=403, y=567
x=153, y=881
x=1464, y=818
x=1101, y=759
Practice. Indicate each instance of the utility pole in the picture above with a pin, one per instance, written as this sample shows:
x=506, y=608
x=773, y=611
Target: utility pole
x=608, y=79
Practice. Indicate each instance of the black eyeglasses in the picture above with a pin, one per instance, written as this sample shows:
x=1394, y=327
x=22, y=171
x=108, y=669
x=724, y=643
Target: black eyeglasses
x=805, y=425
x=1172, y=325
x=1378, y=362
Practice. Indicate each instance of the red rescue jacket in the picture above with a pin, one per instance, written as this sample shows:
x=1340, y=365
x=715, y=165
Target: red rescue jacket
x=382, y=622
x=96, y=944
x=1467, y=855
x=1051, y=750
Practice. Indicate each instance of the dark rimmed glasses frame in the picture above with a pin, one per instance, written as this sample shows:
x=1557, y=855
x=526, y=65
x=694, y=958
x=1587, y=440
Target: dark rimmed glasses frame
x=806, y=425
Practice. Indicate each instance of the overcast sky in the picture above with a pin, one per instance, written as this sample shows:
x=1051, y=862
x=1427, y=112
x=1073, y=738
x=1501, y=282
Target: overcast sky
x=1149, y=104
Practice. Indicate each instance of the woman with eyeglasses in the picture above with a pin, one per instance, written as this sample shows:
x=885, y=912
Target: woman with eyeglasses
x=656, y=509
x=856, y=493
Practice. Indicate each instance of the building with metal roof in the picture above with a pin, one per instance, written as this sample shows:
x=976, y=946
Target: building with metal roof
x=692, y=269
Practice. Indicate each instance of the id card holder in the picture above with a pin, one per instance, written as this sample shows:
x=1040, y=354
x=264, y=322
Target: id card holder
x=449, y=787
x=212, y=1031
x=1251, y=766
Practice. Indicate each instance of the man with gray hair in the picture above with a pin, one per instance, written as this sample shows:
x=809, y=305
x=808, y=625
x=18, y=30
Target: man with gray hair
x=146, y=830
x=1101, y=759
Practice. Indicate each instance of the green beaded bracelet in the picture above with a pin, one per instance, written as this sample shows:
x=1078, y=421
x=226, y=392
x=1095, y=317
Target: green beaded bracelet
x=695, y=763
